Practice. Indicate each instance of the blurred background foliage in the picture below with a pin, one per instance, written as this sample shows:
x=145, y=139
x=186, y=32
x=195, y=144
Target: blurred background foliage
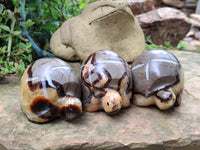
x=24, y=32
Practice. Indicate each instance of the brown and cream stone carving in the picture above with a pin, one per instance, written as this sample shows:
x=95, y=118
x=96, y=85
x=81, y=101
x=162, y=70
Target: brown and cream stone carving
x=106, y=82
x=49, y=88
x=158, y=79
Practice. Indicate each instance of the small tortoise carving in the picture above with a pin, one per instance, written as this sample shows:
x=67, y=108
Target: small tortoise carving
x=49, y=88
x=106, y=82
x=158, y=79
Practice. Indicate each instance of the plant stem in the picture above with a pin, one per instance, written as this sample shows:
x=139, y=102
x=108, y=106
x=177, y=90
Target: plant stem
x=10, y=37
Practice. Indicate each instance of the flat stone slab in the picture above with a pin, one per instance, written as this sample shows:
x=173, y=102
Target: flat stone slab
x=133, y=128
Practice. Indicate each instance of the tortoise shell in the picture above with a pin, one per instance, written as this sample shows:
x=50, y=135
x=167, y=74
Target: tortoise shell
x=106, y=82
x=157, y=74
x=50, y=88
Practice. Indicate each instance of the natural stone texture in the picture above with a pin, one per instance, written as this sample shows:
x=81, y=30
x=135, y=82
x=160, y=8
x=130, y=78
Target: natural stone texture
x=190, y=4
x=156, y=2
x=133, y=128
x=197, y=11
x=164, y=24
x=195, y=17
x=197, y=35
x=102, y=25
x=195, y=23
x=192, y=46
x=140, y=6
x=189, y=7
x=187, y=11
x=188, y=39
x=174, y=3
x=192, y=32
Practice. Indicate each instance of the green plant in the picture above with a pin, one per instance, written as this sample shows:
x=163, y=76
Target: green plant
x=149, y=44
x=27, y=25
x=11, y=67
x=15, y=51
x=167, y=46
x=181, y=45
x=44, y=17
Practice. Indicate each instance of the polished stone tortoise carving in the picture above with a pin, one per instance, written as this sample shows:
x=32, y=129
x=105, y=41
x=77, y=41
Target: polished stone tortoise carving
x=49, y=88
x=106, y=82
x=158, y=78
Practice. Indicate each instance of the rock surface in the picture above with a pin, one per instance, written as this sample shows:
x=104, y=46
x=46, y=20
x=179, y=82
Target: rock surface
x=195, y=23
x=164, y=24
x=192, y=39
x=102, y=25
x=195, y=17
x=197, y=11
x=140, y=6
x=189, y=7
x=192, y=46
x=174, y=3
x=156, y=2
x=133, y=128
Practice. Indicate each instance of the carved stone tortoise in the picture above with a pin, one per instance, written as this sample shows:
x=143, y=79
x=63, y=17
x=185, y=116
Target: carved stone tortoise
x=49, y=88
x=158, y=79
x=106, y=82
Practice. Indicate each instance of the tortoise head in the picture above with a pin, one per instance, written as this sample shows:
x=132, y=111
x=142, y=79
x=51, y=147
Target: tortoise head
x=112, y=102
x=165, y=99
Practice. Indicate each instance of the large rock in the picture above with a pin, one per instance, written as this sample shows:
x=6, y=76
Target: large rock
x=190, y=4
x=195, y=23
x=165, y=24
x=174, y=3
x=197, y=11
x=156, y=2
x=102, y=25
x=140, y=6
x=189, y=7
x=195, y=17
x=192, y=46
x=133, y=128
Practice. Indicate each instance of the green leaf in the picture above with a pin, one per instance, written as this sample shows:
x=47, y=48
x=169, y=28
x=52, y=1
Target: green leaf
x=167, y=44
x=16, y=64
x=22, y=45
x=3, y=49
x=181, y=45
x=28, y=23
x=29, y=58
x=51, y=26
x=17, y=33
x=15, y=3
x=82, y=6
x=10, y=14
x=4, y=27
x=1, y=8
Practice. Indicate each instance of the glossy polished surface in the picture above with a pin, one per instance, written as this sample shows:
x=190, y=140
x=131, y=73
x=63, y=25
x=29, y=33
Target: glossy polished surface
x=49, y=88
x=158, y=79
x=106, y=82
